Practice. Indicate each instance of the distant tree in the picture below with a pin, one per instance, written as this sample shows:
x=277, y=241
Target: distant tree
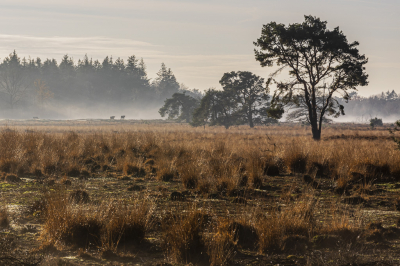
x=243, y=100
x=321, y=63
x=250, y=95
x=43, y=93
x=374, y=122
x=391, y=95
x=136, y=80
x=119, y=65
x=67, y=67
x=165, y=82
x=14, y=79
x=179, y=107
x=397, y=128
x=216, y=108
x=137, y=68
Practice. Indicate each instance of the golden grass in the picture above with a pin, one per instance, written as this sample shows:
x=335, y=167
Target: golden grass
x=105, y=226
x=193, y=155
x=216, y=160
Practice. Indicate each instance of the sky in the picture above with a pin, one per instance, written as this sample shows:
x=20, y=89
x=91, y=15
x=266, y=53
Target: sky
x=199, y=40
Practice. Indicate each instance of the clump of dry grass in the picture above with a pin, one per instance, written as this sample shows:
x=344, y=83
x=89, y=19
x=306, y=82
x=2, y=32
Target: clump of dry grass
x=10, y=178
x=79, y=196
x=276, y=226
x=105, y=226
x=183, y=238
x=221, y=243
x=340, y=224
x=166, y=170
x=4, y=218
x=133, y=169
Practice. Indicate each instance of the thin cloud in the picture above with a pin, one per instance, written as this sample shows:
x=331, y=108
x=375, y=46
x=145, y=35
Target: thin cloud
x=75, y=46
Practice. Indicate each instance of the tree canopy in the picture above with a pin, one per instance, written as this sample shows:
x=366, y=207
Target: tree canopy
x=321, y=63
x=243, y=100
x=179, y=107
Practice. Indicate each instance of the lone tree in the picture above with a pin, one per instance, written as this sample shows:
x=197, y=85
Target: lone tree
x=321, y=64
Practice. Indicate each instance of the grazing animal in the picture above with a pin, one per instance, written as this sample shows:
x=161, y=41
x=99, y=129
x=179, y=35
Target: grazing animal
x=112, y=117
x=122, y=117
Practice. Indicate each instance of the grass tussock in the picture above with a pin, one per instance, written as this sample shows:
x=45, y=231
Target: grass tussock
x=222, y=243
x=4, y=218
x=273, y=228
x=183, y=238
x=106, y=225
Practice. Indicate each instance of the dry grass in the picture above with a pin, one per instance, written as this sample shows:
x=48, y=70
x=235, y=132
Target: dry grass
x=4, y=218
x=193, y=155
x=238, y=162
x=106, y=225
x=296, y=219
x=183, y=238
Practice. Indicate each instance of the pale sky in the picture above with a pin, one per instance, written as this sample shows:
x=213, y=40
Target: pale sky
x=198, y=39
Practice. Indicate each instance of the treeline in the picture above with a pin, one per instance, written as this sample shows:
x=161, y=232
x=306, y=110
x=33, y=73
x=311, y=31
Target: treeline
x=385, y=104
x=33, y=84
x=244, y=99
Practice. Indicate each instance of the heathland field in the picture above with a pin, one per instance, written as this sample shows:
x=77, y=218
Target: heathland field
x=151, y=193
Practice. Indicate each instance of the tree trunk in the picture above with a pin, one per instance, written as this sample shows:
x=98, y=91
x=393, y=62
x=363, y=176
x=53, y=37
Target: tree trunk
x=316, y=132
x=250, y=118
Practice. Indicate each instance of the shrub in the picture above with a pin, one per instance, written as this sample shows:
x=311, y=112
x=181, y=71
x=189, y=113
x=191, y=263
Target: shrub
x=375, y=122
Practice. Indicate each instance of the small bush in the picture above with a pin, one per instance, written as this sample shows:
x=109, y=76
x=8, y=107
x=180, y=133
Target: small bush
x=375, y=122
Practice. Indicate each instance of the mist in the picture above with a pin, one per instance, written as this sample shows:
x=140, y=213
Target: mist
x=87, y=89
x=90, y=89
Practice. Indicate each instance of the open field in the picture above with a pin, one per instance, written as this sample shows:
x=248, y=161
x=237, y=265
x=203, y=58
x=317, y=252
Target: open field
x=94, y=192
